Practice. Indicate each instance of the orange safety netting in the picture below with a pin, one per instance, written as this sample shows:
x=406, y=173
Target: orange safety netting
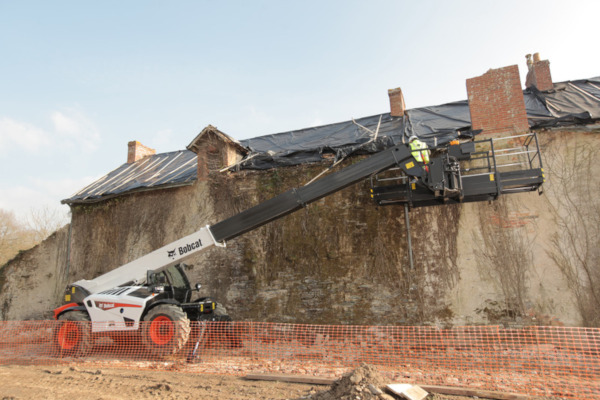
x=538, y=361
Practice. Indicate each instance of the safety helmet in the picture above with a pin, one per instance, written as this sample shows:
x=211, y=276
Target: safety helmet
x=413, y=137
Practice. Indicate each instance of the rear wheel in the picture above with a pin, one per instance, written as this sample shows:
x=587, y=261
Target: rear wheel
x=165, y=330
x=73, y=335
x=230, y=335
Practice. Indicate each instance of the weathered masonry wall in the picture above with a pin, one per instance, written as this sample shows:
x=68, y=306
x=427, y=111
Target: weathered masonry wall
x=342, y=260
x=33, y=282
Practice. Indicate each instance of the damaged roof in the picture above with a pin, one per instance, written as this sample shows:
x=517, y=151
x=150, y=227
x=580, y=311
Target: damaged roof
x=569, y=103
x=435, y=125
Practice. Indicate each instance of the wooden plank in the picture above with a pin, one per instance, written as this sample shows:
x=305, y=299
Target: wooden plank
x=456, y=391
x=488, y=394
x=408, y=391
x=313, y=380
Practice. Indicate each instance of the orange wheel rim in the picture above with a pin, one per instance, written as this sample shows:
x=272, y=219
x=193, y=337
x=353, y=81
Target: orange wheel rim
x=161, y=330
x=68, y=335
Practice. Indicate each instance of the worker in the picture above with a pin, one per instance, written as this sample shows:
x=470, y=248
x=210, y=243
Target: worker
x=419, y=150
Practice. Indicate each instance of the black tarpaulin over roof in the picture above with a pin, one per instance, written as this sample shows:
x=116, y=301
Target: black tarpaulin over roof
x=435, y=125
x=160, y=170
x=569, y=103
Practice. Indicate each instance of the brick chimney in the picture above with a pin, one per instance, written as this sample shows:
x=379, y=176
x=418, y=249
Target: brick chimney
x=136, y=151
x=496, y=101
x=397, y=106
x=538, y=74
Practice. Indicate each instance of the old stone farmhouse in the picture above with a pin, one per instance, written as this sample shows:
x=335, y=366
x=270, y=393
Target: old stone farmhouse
x=523, y=259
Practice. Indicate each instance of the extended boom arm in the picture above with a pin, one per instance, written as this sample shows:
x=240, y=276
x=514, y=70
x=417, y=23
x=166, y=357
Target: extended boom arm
x=294, y=199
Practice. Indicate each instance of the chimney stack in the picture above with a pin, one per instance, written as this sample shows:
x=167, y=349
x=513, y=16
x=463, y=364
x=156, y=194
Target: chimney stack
x=496, y=102
x=538, y=74
x=136, y=151
x=397, y=106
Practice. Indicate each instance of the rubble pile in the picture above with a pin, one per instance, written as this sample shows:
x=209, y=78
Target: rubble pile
x=364, y=383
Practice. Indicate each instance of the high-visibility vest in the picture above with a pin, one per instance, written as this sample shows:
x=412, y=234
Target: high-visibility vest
x=419, y=151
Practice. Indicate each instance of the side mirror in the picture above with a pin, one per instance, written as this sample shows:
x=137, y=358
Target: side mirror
x=198, y=286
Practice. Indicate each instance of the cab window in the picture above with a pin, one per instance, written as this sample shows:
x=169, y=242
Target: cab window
x=176, y=278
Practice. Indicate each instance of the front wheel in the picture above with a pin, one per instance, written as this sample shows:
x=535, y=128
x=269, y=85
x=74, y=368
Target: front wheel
x=72, y=336
x=165, y=330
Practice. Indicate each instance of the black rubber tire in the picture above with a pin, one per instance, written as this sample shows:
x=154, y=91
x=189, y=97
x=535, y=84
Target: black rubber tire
x=230, y=337
x=72, y=336
x=165, y=330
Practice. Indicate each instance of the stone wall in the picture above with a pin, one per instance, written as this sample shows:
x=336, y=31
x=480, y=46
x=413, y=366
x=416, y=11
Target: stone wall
x=32, y=284
x=340, y=260
x=343, y=260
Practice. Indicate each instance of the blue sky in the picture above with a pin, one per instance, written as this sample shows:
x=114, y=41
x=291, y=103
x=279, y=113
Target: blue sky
x=79, y=79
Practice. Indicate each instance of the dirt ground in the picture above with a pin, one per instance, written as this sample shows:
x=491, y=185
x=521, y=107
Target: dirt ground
x=60, y=382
